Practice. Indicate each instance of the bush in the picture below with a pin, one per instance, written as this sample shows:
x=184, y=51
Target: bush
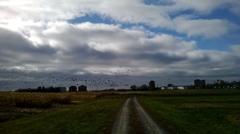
x=33, y=103
x=41, y=100
x=61, y=100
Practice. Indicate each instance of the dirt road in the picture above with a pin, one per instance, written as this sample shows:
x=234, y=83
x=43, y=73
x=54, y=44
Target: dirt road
x=150, y=126
x=122, y=125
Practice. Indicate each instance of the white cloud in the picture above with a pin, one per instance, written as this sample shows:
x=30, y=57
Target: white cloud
x=202, y=27
x=236, y=49
x=17, y=14
x=204, y=6
x=50, y=10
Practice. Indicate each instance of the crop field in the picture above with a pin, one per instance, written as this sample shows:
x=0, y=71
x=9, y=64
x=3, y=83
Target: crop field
x=165, y=112
x=196, y=114
x=44, y=113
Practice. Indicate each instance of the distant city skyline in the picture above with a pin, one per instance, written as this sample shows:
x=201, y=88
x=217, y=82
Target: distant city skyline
x=52, y=42
x=20, y=80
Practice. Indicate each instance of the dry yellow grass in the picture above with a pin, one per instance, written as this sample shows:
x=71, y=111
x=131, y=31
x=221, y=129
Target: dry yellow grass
x=42, y=100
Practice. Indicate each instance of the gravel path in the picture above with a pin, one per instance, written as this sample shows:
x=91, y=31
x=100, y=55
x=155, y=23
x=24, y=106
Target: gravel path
x=121, y=126
x=150, y=126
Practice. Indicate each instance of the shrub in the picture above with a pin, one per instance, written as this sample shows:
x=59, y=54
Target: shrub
x=32, y=103
x=61, y=100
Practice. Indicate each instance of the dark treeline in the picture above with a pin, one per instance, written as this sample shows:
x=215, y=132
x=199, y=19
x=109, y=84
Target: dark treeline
x=151, y=86
x=44, y=89
x=81, y=88
x=219, y=84
x=198, y=84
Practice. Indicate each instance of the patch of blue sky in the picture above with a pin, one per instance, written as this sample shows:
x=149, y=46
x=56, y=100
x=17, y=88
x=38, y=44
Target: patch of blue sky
x=158, y=2
x=222, y=43
x=96, y=18
x=93, y=18
x=155, y=30
x=216, y=14
x=223, y=14
x=188, y=12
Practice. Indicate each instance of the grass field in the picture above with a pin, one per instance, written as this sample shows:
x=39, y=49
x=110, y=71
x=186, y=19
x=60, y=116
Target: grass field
x=182, y=112
x=196, y=114
x=90, y=115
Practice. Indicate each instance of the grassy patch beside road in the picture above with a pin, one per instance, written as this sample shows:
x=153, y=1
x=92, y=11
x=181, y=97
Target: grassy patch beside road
x=93, y=116
x=196, y=114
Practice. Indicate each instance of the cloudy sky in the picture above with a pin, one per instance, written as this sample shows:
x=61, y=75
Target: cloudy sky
x=117, y=42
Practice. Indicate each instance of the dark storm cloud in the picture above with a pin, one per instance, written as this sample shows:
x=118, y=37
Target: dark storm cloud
x=159, y=58
x=84, y=53
x=17, y=49
x=16, y=42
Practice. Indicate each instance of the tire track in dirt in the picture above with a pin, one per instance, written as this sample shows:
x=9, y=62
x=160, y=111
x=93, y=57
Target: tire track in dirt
x=135, y=122
x=149, y=125
x=121, y=126
x=139, y=118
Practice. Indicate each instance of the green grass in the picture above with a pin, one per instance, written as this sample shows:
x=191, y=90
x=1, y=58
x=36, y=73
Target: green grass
x=183, y=112
x=14, y=105
x=196, y=114
x=94, y=116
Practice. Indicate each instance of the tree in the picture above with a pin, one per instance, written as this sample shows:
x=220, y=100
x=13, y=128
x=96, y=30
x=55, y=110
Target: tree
x=82, y=88
x=72, y=89
x=133, y=87
x=152, y=85
x=143, y=87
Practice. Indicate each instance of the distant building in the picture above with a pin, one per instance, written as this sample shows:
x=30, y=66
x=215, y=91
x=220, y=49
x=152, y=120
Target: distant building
x=82, y=88
x=180, y=88
x=72, y=89
x=163, y=88
x=199, y=83
x=170, y=88
x=152, y=85
x=170, y=85
x=220, y=82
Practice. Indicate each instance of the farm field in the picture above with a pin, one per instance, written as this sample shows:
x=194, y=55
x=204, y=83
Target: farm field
x=195, y=114
x=164, y=112
x=87, y=114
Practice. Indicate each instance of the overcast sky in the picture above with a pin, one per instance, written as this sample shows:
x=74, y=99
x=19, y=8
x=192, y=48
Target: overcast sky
x=126, y=41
